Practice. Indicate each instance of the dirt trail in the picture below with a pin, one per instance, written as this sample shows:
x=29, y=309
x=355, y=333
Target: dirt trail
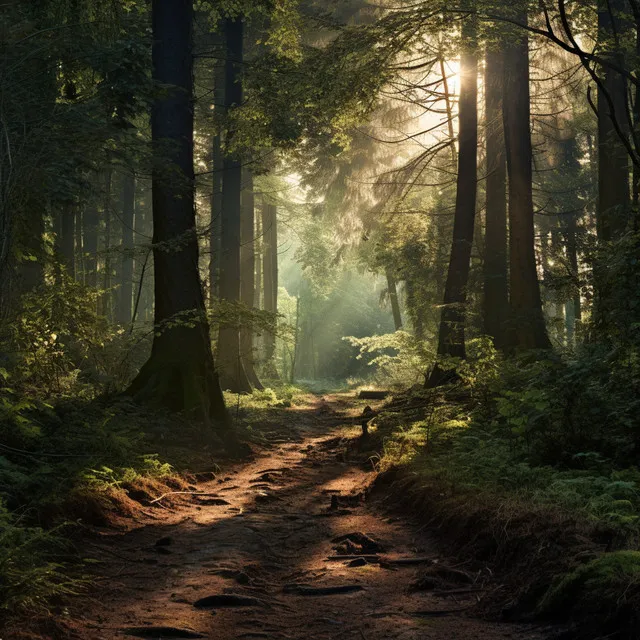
x=253, y=554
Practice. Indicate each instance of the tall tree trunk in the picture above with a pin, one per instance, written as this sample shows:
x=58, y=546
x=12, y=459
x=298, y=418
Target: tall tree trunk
x=257, y=301
x=248, y=275
x=79, y=250
x=635, y=185
x=528, y=330
x=573, y=307
x=67, y=240
x=233, y=374
x=270, y=280
x=392, y=290
x=125, y=304
x=451, y=333
x=613, y=160
x=217, y=161
x=90, y=221
x=496, y=279
x=107, y=307
x=180, y=373
x=414, y=306
x=29, y=238
x=144, y=229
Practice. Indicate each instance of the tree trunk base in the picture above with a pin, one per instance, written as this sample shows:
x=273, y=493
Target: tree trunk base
x=177, y=387
x=440, y=377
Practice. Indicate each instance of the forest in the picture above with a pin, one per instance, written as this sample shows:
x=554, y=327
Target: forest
x=320, y=319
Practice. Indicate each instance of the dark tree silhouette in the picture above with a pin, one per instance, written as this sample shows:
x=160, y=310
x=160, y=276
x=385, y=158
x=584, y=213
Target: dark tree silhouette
x=180, y=373
x=233, y=374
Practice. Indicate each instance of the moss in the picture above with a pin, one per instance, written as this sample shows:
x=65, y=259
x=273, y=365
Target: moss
x=605, y=591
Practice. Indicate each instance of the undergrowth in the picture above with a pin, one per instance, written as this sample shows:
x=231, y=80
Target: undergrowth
x=69, y=463
x=553, y=438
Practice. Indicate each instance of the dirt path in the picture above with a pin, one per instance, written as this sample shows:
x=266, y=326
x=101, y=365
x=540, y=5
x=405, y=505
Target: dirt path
x=247, y=560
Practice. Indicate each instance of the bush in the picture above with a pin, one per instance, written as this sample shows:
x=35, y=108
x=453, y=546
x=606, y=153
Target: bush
x=30, y=570
x=604, y=592
x=399, y=359
x=61, y=346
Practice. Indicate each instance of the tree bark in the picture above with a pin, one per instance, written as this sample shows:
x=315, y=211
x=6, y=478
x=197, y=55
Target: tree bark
x=144, y=229
x=259, y=244
x=90, y=221
x=613, y=159
x=414, y=307
x=29, y=238
x=233, y=375
x=107, y=296
x=180, y=373
x=392, y=290
x=527, y=330
x=270, y=281
x=79, y=251
x=573, y=307
x=451, y=334
x=217, y=161
x=125, y=305
x=67, y=239
x=248, y=275
x=496, y=279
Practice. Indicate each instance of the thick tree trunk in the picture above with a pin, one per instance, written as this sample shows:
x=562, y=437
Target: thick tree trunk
x=392, y=290
x=180, y=373
x=215, y=239
x=233, y=375
x=125, y=303
x=527, y=330
x=248, y=275
x=496, y=279
x=451, y=333
x=613, y=160
x=270, y=280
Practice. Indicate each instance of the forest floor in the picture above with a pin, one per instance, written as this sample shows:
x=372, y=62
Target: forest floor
x=252, y=554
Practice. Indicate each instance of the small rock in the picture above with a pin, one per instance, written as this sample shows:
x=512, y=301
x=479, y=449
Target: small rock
x=357, y=562
x=358, y=539
x=233, y=574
